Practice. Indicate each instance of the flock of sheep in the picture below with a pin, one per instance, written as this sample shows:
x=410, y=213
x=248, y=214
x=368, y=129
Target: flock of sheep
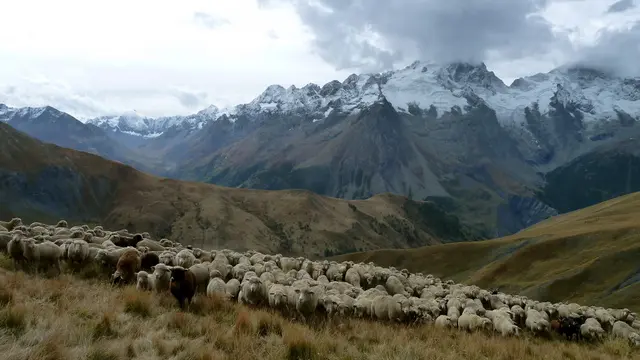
x=302, y=288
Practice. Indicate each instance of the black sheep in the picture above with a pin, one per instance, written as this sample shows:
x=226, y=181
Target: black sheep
x=183, y=285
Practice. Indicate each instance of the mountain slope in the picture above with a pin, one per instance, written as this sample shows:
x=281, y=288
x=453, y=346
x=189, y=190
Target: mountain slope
x=41, y=182
x=607, y=172
x=56, y=127
x=587, y=256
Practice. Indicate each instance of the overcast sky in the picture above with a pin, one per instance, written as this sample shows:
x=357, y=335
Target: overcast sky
x=167, y=57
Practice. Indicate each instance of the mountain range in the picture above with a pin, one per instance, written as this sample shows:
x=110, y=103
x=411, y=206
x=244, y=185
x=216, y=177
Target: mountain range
x=45, y=182
x=500, y=157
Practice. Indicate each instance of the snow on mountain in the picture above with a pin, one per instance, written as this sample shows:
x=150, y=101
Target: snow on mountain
x=425, y=85
x=29, y=113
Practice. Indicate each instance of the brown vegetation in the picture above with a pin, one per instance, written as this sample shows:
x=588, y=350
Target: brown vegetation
x=69, y=318
x=589, y=256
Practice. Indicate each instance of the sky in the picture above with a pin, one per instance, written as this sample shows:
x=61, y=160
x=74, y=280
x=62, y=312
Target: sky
x=166, y=57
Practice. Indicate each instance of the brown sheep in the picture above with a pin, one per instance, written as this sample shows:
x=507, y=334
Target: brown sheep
x=9, y=225
x=183, y=285
x=128, y=265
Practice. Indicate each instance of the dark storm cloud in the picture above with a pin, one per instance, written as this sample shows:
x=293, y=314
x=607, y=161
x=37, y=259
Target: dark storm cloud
x=621, y=6
x=615, y=50
x=440, y=30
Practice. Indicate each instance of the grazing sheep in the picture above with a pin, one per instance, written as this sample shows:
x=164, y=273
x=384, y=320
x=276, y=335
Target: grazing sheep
x=537, y=323
x=183, y=285
x=278, y=297
x=185, y=259
x=152, y=245
x=253, y=292
x=145, y=281
x=10, y=225
x=14, y=248
x=201, y=272
x=127, y=266
x=233, y=288
x=569, y=328
x=472, y=322
x=5, y=237
x=216, y=286
x=394, y=286
x=62, y=224
x=622, y=330
x=77, y=252
x=167, y=258
x=45, y=253
x=444, y=321
x=162, y=275
x=503, y=324
x=306, y=301
x=591, y=330
x=148, y=259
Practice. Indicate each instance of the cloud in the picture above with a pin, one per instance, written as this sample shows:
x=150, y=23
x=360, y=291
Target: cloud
x=616, y=50
x=376, y=34
x=621, y=6
x=208, y=20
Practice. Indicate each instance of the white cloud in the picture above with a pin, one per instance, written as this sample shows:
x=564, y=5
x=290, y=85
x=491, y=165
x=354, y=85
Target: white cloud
x=114, y=56
x=165, y=57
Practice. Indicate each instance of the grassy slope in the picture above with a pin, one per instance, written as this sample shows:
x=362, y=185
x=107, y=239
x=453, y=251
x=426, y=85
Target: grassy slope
x=118, y=196
x=70, y=318
x=588, y=256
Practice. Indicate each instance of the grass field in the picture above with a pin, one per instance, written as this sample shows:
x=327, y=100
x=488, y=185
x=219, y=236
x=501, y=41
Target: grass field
x=588, y=256
x=70, y=318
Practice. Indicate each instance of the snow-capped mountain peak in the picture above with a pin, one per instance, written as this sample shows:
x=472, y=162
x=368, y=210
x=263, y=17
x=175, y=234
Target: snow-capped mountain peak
x=422, y=84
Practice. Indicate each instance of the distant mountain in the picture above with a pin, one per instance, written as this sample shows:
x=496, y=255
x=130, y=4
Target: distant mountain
x=133, y=129
x=453, y=133
x=53, y=126
x=45, y=182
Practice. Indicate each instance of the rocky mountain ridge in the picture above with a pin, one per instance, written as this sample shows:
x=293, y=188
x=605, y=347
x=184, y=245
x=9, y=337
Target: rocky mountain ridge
x=454, y=133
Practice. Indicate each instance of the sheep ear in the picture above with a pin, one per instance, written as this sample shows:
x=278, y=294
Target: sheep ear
x=153, y=268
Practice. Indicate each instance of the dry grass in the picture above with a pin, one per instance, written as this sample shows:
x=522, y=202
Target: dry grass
x=73, y=318
x=587, y=256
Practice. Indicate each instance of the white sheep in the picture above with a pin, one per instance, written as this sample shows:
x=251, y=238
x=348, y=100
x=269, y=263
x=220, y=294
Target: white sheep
x=46, y=253
x=77, y=252
x=622, y=330
x=395, y=286
x=145, y=281
x=217, y=287
x=202, y=274
x=162, y=275
x=233, y=288
x=445, y=321
x=253, y=292
x=278, y=298
x=306, y=302
x=503, y=324
x=472, y=322
x=168, y=258
x=185, y=258
x=352, y=277
x=592, y=330
x=536, y=322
